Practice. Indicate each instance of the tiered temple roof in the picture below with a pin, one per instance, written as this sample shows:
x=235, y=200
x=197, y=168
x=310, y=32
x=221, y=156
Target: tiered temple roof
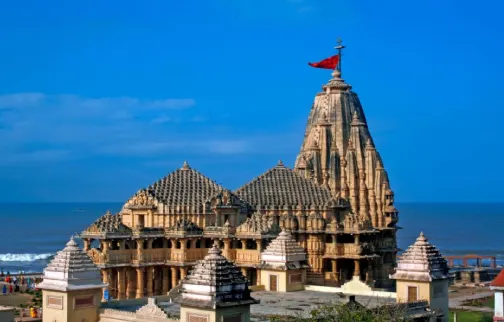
x=108, y=225
x=283, y=253
x=280, y=187
x=188, y=191
x=422, y=261
x=71, y=269
x=215, y=282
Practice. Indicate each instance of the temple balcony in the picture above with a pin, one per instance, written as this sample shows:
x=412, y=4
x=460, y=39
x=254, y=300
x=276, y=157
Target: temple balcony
x=187, y=255
x=230, y=254
x=388, y=243
x=119, y=256
x=342, y=249
x=247, y=256
x=156, y=255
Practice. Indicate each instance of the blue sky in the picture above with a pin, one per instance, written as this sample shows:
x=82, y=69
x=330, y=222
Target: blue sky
x=102, y=98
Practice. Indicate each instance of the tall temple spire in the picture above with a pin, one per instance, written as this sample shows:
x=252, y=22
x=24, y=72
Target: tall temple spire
x=338, y=143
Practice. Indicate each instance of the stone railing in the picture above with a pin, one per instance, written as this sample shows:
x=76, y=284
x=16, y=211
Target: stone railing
x=247, y=256
x=342, y=249
x=230, y=254
x=386, y=243
x=119, y=256
x=154, y=255
x=188, y=255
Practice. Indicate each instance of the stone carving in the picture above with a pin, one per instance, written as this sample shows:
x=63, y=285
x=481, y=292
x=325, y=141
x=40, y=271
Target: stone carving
x=151, y=311
x=257, y=224
x=107, y=224
x=143, y=198
x=185, y=225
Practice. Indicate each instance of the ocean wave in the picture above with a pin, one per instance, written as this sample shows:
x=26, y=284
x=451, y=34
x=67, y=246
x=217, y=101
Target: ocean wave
x=23, y=257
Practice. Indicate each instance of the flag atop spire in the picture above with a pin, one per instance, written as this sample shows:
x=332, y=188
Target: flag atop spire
x=333, y=62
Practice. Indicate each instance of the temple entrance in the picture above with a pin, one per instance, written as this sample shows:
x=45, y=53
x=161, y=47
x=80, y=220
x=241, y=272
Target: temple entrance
x=412, y=293
x=141, y=220
x=273, y=283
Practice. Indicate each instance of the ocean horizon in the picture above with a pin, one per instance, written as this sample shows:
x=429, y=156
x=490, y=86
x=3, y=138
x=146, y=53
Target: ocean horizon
x=33, y=232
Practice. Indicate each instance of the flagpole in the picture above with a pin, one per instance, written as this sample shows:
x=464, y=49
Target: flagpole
x=339, y=48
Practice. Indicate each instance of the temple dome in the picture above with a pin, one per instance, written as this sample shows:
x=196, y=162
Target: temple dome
x=215, y=282
x=422, y=261
x=71, y=269
x=284, y=253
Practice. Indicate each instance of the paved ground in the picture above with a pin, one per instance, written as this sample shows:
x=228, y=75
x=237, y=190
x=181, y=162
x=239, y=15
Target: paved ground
x=456, y=302
x=293, y=303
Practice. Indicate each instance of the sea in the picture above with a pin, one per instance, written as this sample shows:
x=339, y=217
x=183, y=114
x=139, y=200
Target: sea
x=31, y=233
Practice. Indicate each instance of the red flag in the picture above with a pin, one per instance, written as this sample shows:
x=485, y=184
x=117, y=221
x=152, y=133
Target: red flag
x=328, y=63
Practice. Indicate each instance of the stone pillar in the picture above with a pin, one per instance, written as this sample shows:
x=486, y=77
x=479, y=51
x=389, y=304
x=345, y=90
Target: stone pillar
x=140, y=249
x=357, y=268
x=121, y=283
x=166, y=281
x=130, y=289
x=183, y=244
x=333, y=239
x=174, y=276
x=105, y=279
x=259, y=245
x=113, y=283
x=334, y=266
x=87, y=245
x=140, y=283
x=258, y=276
x=150, y=277
x=244, y=244
x=244, y=271
x=183, y=272
x=357, y=239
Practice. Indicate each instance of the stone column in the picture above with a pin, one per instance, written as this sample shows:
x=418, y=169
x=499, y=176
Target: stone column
x=174, y=276
x=227, y=244
x=258, y=276
x=121, y=283
x=183, y=272
x=140, y=283
x=333, y=239
x=357, y=239
x=87, y=245
x=244, y=244
x=150, y=276
x=140, y=249
x=113, y=282
x=105, y=279
x=130, y=288
x=334, y=266
x=357, y=268
x=244, y=271
x=166, y=281
x=259, y=245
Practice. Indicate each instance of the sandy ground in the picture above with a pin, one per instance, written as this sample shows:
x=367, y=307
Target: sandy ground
x=15, y=299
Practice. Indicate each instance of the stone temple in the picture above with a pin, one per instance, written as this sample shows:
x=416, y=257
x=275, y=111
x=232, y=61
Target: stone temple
x=336, y=204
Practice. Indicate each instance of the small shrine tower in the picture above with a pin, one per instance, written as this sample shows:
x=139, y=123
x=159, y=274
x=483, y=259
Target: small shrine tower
x=215, y=290
x=497, y=286
x=422, y=274
x=283, y=265
x=71, y=287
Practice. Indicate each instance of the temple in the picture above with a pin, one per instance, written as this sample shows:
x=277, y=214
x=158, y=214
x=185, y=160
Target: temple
x=336, y=205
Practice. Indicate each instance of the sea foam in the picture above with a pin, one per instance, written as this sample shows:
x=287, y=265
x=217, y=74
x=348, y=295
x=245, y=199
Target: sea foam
x=23, y=257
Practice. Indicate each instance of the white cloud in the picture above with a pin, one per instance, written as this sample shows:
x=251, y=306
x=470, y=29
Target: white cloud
x=36, y=127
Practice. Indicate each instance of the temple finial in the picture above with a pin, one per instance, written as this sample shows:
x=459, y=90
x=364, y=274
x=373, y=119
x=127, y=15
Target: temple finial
x=185, y=166
x=339, y=47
